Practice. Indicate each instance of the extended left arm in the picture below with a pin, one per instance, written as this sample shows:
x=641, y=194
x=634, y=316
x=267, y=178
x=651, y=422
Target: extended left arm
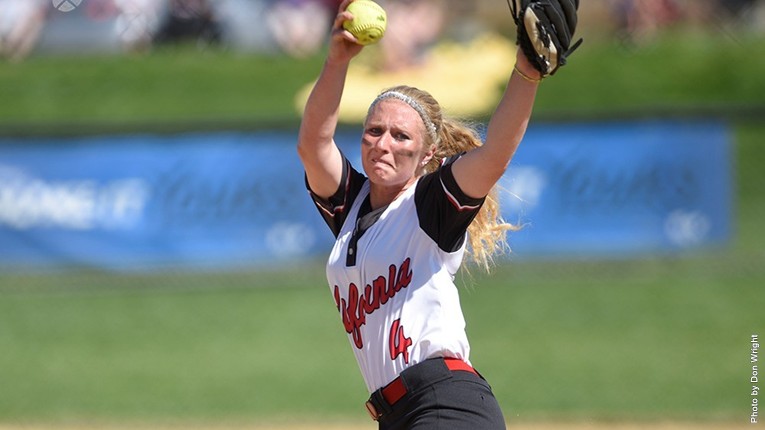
x=545, y=35
x=477, y=171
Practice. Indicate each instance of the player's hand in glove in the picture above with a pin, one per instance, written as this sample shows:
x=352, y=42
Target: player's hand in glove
x=545, y=31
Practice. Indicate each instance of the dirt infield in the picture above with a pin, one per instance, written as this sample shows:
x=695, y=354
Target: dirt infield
x=371, y=426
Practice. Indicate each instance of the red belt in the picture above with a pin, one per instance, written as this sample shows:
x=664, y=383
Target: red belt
x=395, y=390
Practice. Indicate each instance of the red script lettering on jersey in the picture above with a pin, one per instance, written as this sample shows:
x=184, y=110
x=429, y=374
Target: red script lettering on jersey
x=356, y=309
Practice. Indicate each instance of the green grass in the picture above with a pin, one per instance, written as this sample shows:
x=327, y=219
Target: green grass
x=187, y=88
x=202, y=355
x=171, y=85
x=638, y=340
x=645, y=339
x=680, y=72
x=659, y=338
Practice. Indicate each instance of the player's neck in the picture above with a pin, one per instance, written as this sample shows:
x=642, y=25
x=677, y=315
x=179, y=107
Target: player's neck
x=380, y=195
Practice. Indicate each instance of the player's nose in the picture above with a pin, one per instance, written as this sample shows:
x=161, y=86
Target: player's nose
x=383, y=142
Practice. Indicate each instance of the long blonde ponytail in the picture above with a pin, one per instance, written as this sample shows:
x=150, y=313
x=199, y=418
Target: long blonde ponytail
x=487, y=234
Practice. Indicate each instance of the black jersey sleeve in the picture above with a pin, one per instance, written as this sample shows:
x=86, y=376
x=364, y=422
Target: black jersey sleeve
x=335, y=209
x=443, y=209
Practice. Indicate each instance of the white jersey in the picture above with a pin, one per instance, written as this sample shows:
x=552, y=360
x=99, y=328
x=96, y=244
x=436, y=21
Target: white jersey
x=391, y=272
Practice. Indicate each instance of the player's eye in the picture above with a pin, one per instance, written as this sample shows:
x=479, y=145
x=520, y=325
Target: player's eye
x=374, y=131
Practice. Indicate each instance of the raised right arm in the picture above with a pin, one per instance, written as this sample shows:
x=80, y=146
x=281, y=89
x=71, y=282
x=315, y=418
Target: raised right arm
x=316, y=145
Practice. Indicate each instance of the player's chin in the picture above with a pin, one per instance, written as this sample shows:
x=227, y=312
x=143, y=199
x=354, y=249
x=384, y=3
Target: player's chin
x=378, y=176
x=383, y=175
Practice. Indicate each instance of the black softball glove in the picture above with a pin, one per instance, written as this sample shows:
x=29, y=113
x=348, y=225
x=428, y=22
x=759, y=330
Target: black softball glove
x=545, y=31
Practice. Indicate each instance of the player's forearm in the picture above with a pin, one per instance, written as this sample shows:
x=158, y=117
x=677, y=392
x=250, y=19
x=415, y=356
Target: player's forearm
x=321, y=112
x=316, y=146
x=511, y=118
x=479, y=170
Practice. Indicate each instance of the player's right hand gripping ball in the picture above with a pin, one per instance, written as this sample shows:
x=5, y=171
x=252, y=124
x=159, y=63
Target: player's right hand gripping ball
x=545, y=31
x=368, y=23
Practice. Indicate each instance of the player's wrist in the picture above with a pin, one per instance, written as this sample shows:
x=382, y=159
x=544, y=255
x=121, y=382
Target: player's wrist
x=526, y=70
x=337, y=61
x=534, y=76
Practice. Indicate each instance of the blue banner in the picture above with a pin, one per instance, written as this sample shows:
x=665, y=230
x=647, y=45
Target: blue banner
x=620, y=188
x=199, y=201
x=234, y=200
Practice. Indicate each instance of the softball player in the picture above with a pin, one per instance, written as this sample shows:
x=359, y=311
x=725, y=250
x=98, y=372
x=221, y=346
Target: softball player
x=401, y=232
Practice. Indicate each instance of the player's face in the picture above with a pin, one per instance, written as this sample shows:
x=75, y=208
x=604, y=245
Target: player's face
x=392, y=147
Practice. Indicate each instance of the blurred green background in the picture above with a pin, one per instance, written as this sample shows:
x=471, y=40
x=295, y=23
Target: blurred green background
x=651, y=339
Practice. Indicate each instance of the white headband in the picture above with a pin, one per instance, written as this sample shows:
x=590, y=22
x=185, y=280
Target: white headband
x=413, y=103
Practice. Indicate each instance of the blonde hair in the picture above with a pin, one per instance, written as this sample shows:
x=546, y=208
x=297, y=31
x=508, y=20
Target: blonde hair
x=487, y=234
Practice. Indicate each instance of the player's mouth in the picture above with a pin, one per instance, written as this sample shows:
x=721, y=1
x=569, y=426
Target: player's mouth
x=379, y=161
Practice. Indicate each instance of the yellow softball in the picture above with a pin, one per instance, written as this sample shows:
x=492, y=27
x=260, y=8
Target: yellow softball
x=368, y=23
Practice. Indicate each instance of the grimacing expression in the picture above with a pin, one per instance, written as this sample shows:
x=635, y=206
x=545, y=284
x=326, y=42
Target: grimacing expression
x=392, y=147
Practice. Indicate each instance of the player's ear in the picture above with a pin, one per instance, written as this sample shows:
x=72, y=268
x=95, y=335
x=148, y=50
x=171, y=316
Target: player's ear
x=429, y=154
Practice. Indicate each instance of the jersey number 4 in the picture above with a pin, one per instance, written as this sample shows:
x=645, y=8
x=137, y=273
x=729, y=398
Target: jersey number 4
x=398, y=342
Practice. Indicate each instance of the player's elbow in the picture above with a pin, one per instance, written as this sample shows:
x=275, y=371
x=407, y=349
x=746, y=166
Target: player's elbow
x=307, y=147
x=493, y=172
